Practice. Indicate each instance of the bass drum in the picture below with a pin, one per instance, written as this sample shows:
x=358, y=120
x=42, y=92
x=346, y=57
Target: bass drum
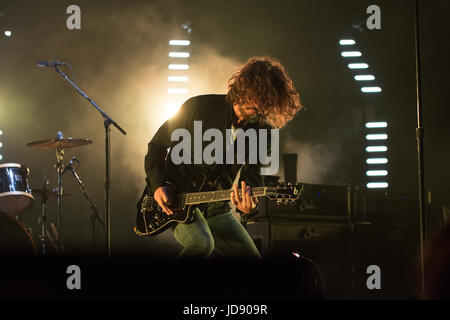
x=15, y=240
x=15, y=193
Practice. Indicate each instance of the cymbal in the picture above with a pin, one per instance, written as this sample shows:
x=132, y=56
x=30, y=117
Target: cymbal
x=53, y=193
x=61, y=143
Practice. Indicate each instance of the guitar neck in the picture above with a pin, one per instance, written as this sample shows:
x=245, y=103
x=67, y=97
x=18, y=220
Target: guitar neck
x=219, y=195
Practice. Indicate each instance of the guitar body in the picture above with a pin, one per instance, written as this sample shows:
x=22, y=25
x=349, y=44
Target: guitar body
x=151, y=220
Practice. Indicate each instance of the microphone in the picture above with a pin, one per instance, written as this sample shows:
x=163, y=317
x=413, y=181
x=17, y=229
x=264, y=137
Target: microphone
x=51, y=63
x=69, y=165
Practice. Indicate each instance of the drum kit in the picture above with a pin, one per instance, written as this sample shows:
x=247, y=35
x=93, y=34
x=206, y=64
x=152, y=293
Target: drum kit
x=16, y=197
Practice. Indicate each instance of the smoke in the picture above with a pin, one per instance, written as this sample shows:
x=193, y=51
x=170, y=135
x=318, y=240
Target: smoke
x=316, y=161
x=120, y=61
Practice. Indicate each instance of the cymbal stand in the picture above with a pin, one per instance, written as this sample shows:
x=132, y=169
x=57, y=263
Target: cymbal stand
x=43, y=219
x=59, y=166
x=95, y=215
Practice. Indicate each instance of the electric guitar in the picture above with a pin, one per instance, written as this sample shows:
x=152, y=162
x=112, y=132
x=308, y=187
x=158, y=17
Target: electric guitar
x=152, y=220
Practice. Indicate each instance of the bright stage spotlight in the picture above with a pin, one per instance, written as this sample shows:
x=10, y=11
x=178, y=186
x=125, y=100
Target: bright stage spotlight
x=373, y=185
x=376, y=124
x=381, y=136
x=346, y=42
x=365, y=77
x=179, y=54
x=171, y=109
x=8, y=33
x=376, y=160
x=376, y=173
x=376, y=149
x=179, y=42
x=178, y=79
x=178, y=66
x=371, y=89
x=358, y=65
x=347, y=54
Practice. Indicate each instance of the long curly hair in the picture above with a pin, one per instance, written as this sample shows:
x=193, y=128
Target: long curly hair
x=265, y=82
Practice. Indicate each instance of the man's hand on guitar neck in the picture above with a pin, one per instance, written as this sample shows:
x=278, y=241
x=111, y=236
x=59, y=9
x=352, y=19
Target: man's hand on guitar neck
x=163, y=196
x=246, y=202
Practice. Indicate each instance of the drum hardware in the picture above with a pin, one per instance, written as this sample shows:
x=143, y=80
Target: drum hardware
x=59, y=143
x=50, y=193
x=46, y=193
x=15, y=193
x=51, y=240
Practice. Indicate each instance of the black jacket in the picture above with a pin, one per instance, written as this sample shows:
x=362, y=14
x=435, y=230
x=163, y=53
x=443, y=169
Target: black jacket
x=215, y=112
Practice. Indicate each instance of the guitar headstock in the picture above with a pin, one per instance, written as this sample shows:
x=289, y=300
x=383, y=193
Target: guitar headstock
x=284, y=193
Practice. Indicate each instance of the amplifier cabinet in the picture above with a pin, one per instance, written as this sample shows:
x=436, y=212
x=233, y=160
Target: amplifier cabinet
x=381, y=204
x=314, y=201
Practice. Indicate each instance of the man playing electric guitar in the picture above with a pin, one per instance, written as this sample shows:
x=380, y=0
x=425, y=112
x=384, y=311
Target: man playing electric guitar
x=260, y=96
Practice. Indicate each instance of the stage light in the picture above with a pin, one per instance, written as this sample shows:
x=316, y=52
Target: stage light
x=179, y=54
x=1, y=157
x=376, y=173
x=376, y=149
x=347, y=54
x=8, y=33
x=373, y=185
x=171, y=109
x=376, y=124
x=358, y=65
x=1, y=132
x=377, y=160
x=178, y=79
x=381, y=136
x=179, y=42
x=346, y=42
x=371, y=89
x=365, y=77
x=1, y=144
x=178, y=66
x=177, y=90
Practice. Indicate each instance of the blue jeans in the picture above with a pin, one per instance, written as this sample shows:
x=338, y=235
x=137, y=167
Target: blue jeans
x=222, y=233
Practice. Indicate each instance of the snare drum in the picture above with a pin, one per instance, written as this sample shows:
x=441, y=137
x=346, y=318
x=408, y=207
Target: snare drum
x=15, y=193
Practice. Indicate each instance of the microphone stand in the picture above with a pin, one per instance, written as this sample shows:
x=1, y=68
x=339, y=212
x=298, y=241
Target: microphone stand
x=420, y=155
x=107, y=123
x=95, y=216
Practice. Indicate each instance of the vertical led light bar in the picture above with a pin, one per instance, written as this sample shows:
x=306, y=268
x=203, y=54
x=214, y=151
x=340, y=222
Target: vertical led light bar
x=376, y=155
x=1, y=145
x=376, y=138
x=178, y=79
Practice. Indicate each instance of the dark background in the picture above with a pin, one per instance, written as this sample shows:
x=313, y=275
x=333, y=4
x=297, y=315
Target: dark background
x=120, y=59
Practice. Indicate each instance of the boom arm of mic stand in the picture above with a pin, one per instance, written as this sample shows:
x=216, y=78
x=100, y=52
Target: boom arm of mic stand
x=104, y=114
x=93, y=206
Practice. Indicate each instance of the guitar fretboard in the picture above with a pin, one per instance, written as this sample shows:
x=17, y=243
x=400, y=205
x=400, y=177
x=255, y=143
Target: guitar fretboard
x=219, y=195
